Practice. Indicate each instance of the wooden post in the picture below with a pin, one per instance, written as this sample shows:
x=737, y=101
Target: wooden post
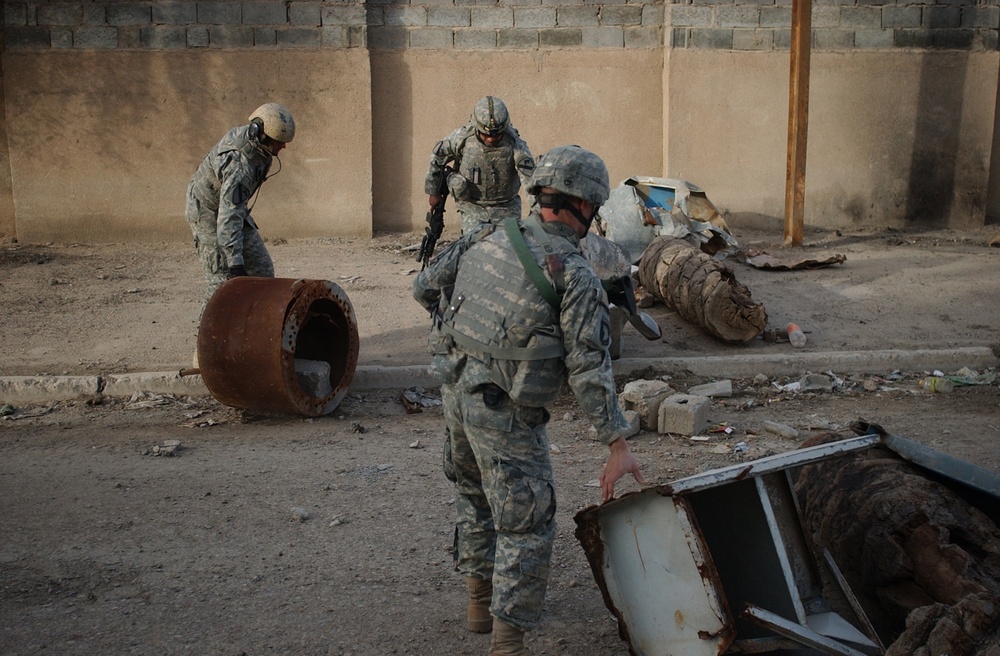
x=798, y=121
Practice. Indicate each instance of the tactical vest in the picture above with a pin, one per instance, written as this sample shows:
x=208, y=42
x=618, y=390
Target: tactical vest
x=207, y=182
x=491, y=173
x=499, y=317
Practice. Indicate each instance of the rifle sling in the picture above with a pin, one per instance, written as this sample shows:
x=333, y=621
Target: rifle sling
x=531, y=268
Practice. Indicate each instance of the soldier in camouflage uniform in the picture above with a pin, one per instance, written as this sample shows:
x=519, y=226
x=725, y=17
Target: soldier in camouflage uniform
x=225, y=234
x=490, y=161
x=518, y=309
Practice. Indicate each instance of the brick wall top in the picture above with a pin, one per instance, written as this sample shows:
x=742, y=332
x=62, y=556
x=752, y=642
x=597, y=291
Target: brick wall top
x=494, y=24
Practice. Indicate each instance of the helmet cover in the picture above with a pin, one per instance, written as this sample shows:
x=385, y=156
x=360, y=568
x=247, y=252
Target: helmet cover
x=277, y=121
x=574, y=171
x=490, y=116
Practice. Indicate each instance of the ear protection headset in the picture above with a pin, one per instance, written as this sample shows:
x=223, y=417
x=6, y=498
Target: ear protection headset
x=256, y=129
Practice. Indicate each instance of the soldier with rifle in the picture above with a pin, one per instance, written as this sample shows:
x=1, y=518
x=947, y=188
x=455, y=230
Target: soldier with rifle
x=483, y=164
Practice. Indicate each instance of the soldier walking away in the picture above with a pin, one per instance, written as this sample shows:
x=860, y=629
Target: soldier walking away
x=517, y=310
x=490, y=162
x=225, y=235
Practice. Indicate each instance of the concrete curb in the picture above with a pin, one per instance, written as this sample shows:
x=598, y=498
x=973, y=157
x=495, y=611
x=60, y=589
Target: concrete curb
x=26, y=390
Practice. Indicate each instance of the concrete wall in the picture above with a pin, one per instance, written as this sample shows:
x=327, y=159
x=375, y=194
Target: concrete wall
x=109, y=106
x=607, y=101
x=103, y=144
x=895, y=138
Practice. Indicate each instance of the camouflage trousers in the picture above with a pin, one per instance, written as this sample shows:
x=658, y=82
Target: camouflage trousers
x=497, y=454
x=475, y=215
x=203, y=224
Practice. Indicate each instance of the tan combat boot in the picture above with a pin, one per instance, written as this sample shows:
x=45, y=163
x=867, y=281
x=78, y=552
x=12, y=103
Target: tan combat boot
x=507, y=640
x=478, y=618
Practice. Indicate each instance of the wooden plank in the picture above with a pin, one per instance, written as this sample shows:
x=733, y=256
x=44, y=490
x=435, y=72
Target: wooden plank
x=798, y=122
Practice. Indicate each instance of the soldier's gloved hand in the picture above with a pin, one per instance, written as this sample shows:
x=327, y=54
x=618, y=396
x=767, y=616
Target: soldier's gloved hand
x=237, y=272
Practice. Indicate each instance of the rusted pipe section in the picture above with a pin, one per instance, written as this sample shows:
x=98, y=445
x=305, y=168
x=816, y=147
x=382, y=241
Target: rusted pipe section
x=254, y=329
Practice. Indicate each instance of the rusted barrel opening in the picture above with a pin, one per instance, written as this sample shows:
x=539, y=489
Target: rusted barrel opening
x=279, y=345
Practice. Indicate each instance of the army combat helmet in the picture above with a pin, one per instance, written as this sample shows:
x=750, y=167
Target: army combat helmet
x=273, y=121
x=573, y=172
x=490, y=116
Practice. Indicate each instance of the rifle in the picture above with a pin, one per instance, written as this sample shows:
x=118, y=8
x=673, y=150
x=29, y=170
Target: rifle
x=435, y=223
x=621, y=292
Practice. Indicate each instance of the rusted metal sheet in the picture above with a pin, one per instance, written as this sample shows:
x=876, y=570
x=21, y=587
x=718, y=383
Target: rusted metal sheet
x=680, y=564
x=253, y=330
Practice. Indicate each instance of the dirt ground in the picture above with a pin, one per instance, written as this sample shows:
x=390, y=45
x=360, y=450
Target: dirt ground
x=286, y=535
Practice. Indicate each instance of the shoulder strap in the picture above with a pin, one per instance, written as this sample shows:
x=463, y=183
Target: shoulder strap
x=531, y=267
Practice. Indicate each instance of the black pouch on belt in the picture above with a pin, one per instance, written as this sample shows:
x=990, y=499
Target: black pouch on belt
x=493, y=396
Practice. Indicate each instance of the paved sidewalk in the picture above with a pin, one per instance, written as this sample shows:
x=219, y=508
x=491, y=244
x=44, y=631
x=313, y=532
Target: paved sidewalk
x=902, y=300
x=26, y=390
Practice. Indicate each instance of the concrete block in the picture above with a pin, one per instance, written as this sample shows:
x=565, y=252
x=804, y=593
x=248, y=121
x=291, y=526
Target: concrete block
x=683, y=414
x=265, y=36
x=128, y=14
x=448, y=16
x=406, y=16
x=21, y=390
x=388, y=37
x=264, y=13
x=753, y=39
x=62, y=37
x=473, y=39
x=304, y=13
x=612, y=36
x=720, y=388
x=313, y=376
x=298, y=37
x=644, y=397
x=336, y=37
x=738, y=16
x=344, y=15
x=621, y=15
x=175, y=13
x=60, y=14
x=437, y=38
x=219, y=13
x=98, y=15
x=517, y=38
x=197, y=37
x=164, y=37
x=715, y=39
x=535, y=17
x=231, y=37
x=643, y=37
x=492, y=17
x=560, y=37
x=652, y=15
x=572, y=16
x=95, y=37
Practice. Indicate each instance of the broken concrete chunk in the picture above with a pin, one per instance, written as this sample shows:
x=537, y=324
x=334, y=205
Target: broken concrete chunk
x=815, y=383
x=644, y=397
x=313, y=377
x=720, y=388
x=782, y=430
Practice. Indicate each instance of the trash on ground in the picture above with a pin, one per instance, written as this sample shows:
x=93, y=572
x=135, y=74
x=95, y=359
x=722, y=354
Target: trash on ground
x=415, y=399
x=643, y=208
x=762, y=260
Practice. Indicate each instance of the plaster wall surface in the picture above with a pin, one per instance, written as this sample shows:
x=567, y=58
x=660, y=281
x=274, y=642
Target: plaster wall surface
x=895, y=138
x=103, y=143
x=608, y=101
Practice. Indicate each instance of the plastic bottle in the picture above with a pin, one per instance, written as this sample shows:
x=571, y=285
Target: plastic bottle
x=937, y=384
x=796, y=336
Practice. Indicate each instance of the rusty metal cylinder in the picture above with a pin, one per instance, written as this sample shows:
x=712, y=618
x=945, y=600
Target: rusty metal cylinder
x=254, y=330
